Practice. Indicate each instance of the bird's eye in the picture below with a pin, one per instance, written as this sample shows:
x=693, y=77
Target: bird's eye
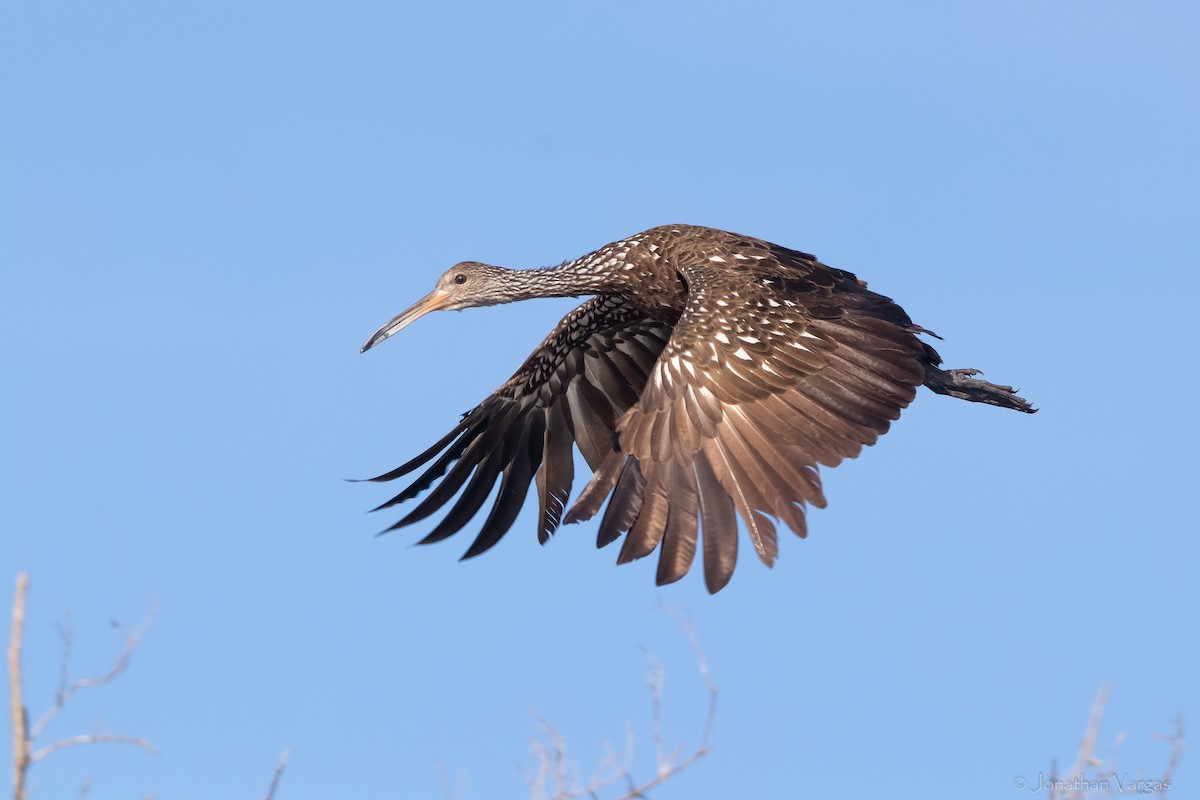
x=460, y=278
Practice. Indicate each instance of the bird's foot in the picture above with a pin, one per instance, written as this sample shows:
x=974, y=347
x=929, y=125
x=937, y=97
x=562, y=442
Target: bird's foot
x=960, y=383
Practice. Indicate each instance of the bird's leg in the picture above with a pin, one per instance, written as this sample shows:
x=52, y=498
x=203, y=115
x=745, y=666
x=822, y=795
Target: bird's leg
x=959, y=383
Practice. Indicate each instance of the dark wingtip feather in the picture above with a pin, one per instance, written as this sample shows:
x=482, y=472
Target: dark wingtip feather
x=556, y=475
x=514, y=486
x=428, y=453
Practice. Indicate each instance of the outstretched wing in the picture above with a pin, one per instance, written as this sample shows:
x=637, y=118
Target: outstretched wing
x=774, y=367
x=571, y=391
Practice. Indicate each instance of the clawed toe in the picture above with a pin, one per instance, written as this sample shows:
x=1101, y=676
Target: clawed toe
x=959, y=383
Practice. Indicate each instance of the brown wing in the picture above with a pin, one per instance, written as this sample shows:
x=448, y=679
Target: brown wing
x=777, y=364
x=570, y=391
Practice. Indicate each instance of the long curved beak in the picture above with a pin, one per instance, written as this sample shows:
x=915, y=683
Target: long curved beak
x=434, y=301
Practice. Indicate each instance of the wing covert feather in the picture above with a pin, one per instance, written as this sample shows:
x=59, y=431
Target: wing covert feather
x=768, y=374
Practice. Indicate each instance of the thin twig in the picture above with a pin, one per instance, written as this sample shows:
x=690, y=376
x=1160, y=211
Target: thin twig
x=68, y=689
x=684, y=621
x=66, y=633
x=1087, y=748
x=541, y=754
x=549, y=781
x=279, y=768
x=560, y=764
x=1108, y=780
x=656, y=678
x=669, y=766
x=90, y=738
x=614, y=764
x=1177, y=743
x=24, y=737
x=17, y=712
x=448, y=792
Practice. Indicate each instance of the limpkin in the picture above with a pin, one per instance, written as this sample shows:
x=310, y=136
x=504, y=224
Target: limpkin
x=706, y=379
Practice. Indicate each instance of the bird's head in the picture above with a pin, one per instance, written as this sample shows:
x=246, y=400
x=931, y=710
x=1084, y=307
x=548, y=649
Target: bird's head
x=465, y=285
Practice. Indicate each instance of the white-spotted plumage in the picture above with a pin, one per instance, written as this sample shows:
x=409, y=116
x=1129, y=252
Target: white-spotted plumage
x=707, y=379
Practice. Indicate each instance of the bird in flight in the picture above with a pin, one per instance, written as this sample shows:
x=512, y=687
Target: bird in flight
x=706, y=379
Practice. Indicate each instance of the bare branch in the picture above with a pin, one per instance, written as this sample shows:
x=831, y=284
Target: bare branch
x=684, y=621
x=536, y=783
x=550, y=780
x=447, y=792
x=66, y=633
x=90, y=738
x=615, y=764
x=560, y=763
x=1087, y=748
x=17, y=712
x=23, y=737
x=1177, y=744
x=279, y=768
x=1106, y=780
x=656, y=677
x=669, y=766
x=67, y=689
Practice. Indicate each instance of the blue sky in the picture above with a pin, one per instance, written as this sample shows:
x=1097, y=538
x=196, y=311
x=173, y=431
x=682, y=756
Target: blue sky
x=205, y=208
